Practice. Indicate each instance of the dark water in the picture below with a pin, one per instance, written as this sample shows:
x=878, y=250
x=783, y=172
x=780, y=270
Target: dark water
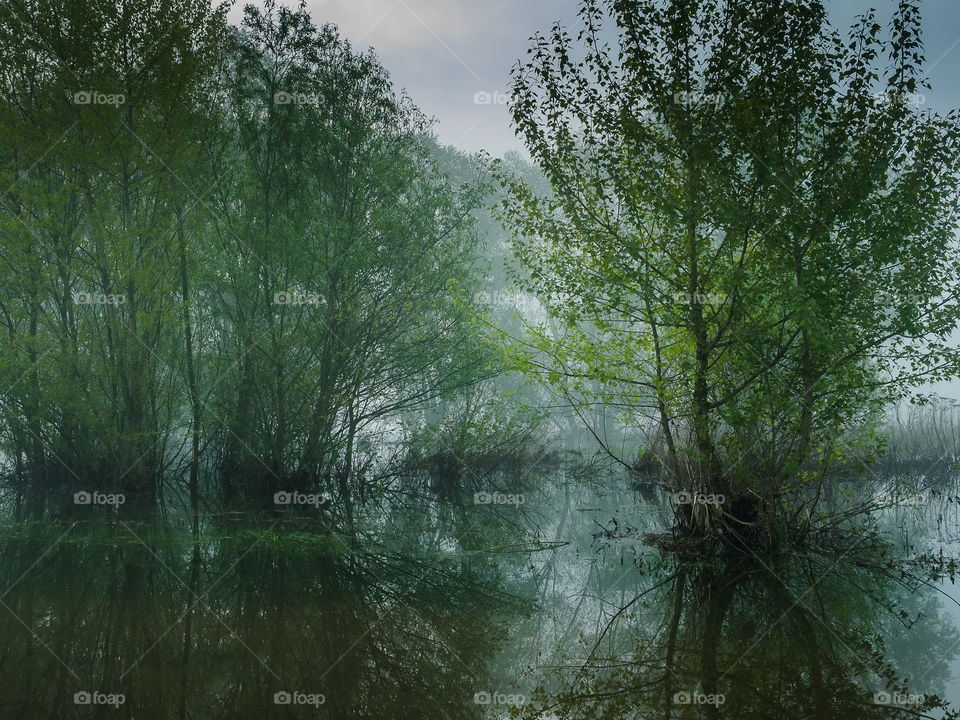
x=451, y=608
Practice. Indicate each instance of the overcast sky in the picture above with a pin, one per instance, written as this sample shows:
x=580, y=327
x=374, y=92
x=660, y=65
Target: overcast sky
x=445, y=52
x=453, y=57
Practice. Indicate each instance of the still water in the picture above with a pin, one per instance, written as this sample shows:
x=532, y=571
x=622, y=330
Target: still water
x=534, y=600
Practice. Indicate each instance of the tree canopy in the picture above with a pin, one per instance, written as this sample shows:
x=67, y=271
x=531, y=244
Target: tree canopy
x=750, y=241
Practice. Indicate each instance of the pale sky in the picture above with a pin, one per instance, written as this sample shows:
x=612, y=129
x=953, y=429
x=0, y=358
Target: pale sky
x=444, y=52
x=453, y=57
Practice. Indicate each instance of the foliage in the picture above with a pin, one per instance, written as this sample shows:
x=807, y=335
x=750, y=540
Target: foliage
x=750, y=242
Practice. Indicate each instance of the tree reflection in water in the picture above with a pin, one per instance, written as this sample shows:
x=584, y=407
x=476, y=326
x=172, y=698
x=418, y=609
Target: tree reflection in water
x=219, y=627
x=448, y=609
x=804, y=637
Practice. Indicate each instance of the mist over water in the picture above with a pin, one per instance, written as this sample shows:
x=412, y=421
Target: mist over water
x=458, y=603
x=307, y=414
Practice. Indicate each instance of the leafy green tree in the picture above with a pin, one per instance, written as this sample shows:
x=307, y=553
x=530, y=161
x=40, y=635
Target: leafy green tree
x=231, y=257
x=98, y=105
x=340, y=236
x=750, y=241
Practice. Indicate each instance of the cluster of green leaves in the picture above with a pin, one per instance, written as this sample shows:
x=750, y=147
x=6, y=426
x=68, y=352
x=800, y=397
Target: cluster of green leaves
x=750, y=243
x=266, y=228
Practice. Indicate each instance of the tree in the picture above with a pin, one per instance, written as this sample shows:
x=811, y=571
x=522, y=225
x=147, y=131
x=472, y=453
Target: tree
x=96, y=115
x=750, y=241
x=339, y=237
x=231, y=256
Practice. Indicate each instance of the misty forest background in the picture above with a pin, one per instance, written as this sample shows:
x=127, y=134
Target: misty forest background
x=211, y=292
x=235, y=261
